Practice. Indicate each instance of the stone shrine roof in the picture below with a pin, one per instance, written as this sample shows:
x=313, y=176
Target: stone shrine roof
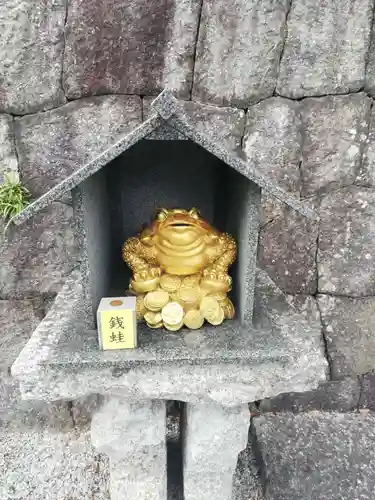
x=166, y=109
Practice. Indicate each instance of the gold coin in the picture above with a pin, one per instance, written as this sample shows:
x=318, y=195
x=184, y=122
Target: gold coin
x=193, y=319
x=170, y=282
x=156, y=300
x=152, y=318
x=191, y=280
x=158, y=325
x=228, y=309
x=203, y=292
x=173, y=328
x=210, y=308
x=140, y=308
x=188, y=296
x=219, y=296
x=144, y=286
x=172, y=314
x=216, y=320
x=173, y=297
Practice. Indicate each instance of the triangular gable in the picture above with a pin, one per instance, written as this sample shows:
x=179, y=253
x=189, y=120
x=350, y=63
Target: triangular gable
x=166, y=110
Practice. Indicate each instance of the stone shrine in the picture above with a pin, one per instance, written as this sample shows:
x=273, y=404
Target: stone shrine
x=288, y=86
x=213, y=371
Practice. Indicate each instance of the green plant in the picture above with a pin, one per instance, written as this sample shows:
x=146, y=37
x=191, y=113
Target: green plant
x=13, y=198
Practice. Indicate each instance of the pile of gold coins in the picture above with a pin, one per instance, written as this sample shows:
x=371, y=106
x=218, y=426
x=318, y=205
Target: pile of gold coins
x=182, y=301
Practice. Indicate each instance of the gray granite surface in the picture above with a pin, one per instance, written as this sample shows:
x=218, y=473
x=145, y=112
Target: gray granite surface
x=367, y=400
x=224, y=123
x=8, y=155
x=246, y=480
x=41, y=464
x=366, y=176
x=287, y=251
x=133, y=435
x=31, y=52
x=334, y=136
x=82, y=173
x=18, y=318
x=317, y=455
x=272, y=141
x=339, y=395
x=349, y=326
x=230, y=364
x=38, y=256
x=129, y=47
x=345, y=256
x=238, y=51
x=325, y=48
x=54, y=145
x=213, y=437
x=370, y=65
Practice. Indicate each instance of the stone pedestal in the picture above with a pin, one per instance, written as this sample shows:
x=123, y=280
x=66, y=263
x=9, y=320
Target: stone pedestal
x=132, y=434
x=215, y=371
x=213, y=437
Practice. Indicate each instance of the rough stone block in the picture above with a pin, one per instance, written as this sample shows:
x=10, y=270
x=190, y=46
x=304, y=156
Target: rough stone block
x=349, y=326
x=41, y=464
x=370, y=66
x=272, y=143
x=287, y=252
x=55, y=144
x=213, y=437
x=246, y=482
x=8, y=158
x=132, y=47
x=133, y=434
x=335, y=131
x=346, y=236
x=18, y=319
x=342, y=395
x=366, y=176
x=325, y=48
x=31, y=51
x=238, y=51
x=317, y=455
x=83, y=408
x=367, y=399
x=37, y=256
x=225, y=124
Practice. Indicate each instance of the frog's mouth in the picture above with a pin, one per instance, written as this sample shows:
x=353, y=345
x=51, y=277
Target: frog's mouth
x=180, y=224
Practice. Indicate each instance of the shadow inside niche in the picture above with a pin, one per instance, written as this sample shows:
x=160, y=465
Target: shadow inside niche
x=174, y=451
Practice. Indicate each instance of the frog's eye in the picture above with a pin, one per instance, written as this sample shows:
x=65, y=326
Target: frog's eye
x=161, y=214
x=194, y=213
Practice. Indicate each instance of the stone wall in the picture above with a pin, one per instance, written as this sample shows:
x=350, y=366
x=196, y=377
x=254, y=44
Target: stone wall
x=291, y=82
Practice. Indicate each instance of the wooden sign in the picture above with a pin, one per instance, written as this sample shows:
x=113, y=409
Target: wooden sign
x=117, y=325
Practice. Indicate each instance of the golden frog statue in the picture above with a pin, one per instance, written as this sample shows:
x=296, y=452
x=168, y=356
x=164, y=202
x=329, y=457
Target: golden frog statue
x=180, y=242
x=181, y=250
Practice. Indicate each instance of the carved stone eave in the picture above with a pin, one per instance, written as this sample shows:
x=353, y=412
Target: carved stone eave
x=166, y=109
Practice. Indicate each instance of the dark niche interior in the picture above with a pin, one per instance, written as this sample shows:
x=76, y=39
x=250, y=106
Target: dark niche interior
x=123, y=196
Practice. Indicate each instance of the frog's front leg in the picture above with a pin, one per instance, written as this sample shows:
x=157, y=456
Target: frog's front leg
x=216, y=274
x=141, y=259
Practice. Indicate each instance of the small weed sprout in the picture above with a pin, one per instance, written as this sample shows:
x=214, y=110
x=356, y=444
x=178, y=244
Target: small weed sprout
x=13, y=198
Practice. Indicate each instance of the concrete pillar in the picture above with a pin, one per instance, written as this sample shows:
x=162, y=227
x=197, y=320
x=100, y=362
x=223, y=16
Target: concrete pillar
x=213, y=436
x=132, y=434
